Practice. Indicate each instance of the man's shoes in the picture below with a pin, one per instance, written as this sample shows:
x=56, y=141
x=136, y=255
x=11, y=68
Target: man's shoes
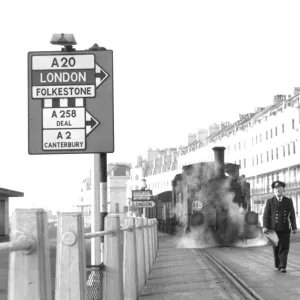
x=283, y=270
x=279, y=268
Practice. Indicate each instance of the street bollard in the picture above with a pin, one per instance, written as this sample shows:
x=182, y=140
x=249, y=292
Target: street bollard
x=150, y=244
x=152, y=241
x=155, y=238
x=29, y=270
x=146, y=243
x=140, y=254
x=130, y=278
x=70, y=258
x=113, y=277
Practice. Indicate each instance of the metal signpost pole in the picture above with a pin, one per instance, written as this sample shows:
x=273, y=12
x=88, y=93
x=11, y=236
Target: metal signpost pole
x=103, y=196
x=95, y=222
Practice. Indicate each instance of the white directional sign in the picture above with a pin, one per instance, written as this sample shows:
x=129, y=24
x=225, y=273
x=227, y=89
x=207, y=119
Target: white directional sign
x=142, y=204
x=70, y=102
x=141, y=195
x=58, y=76
x=66, y=128
x=64, y=117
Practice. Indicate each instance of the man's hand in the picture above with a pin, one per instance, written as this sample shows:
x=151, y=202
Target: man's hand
x=264, y=230
x=294, y=231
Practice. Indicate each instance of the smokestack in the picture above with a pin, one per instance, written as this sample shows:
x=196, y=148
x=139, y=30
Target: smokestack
x=219, y=162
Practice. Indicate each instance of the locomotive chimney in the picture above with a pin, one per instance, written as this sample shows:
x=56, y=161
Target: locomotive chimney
x=219, y=162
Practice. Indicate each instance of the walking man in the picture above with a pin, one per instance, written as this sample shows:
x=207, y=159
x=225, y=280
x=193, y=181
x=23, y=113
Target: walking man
x=279, y=215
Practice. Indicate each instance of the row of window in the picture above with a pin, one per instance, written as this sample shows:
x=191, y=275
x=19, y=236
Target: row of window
x=255, y=139
x=270, y=155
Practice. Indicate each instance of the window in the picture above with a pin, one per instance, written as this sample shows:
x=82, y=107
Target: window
x=252, y=160
x=240, y=163
x=271, y=133
x=272, y=154
x=244, y=162
x=294, y=148
x=282, y=128
x=261, y=158
x=293, y=124
x=289, y=149
x=267, y=155
x=266, y=135
x=283, y=151
x=256, y=139
x=276, y=131
x=239, y=145
x=276, y=153
x=257, y=159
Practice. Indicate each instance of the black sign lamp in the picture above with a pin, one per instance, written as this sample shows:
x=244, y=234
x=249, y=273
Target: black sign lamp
x=64, y=39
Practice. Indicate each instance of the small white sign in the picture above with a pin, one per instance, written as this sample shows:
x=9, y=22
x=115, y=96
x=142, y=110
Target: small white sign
x=63, y=62
x=63, y=91
x=197, y=205
x=142, y=204
x=63, y=139
x=70, y=117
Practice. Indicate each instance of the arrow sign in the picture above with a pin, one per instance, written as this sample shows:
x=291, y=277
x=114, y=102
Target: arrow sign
x=91, y=123
x=100, y=75
x=142, y=204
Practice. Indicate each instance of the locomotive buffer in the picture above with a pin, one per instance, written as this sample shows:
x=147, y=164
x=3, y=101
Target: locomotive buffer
x=142, y=199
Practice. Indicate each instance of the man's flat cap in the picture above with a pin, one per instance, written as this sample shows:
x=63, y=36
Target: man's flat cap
x=278, y=183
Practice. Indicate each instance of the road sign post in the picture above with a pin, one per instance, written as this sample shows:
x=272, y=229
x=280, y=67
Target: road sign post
x=70, y=110
x=142, y=199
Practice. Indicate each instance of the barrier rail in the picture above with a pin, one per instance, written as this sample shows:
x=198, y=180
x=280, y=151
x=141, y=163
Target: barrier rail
x=124, y=271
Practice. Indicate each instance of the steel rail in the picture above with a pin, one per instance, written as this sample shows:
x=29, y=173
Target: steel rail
x=238, y=283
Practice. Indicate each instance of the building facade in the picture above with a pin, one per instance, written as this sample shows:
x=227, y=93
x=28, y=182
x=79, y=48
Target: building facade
x=117, y=176
x=265, y=143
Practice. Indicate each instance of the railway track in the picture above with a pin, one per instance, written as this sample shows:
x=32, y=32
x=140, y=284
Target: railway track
x=247, y=292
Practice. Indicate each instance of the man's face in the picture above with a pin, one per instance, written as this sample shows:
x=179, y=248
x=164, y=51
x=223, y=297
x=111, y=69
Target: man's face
x=278, y=191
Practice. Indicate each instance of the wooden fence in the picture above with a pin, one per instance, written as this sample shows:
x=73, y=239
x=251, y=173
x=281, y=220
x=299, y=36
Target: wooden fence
x=126, y=272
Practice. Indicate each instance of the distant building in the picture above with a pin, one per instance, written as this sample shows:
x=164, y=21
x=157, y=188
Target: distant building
x=117, y=176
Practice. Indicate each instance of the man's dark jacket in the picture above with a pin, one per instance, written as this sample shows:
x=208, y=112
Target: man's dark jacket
x=279, y=216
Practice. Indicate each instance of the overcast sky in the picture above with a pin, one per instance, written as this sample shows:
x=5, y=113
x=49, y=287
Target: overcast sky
x=178, y=66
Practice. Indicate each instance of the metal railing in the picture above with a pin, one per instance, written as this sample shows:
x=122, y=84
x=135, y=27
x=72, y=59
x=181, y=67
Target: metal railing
x=120, y=276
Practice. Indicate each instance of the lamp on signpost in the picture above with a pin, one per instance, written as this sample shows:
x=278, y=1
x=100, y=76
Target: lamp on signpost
x=64, y=39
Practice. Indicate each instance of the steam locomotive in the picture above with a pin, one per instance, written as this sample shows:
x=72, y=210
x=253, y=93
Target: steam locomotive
x=207, y=200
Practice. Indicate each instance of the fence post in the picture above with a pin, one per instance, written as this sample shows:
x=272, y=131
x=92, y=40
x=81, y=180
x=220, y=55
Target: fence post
x=150, y=244
x=29, y=272
x=140, y=254
x=113, y=277
x=70, y=258
x=146, y=243
x=152, y=240
x=130, y=277
x=155, y=237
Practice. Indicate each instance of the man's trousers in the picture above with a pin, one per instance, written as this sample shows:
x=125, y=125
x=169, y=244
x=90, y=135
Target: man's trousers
x=281, y=251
